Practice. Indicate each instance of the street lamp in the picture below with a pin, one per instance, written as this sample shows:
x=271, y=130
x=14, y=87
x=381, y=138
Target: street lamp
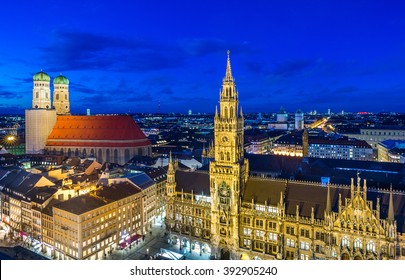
x=147, y=252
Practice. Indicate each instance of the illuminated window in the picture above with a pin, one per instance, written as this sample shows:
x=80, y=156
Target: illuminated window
x=357, y=243
x=370, y=246
x=345, y=241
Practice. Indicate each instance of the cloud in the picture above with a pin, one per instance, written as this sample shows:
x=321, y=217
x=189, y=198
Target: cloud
x=206, y=46
x=256, y=67
x=76, y=50
x=292, y=67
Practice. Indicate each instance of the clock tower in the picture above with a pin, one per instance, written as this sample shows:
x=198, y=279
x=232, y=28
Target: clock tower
x=229, y=170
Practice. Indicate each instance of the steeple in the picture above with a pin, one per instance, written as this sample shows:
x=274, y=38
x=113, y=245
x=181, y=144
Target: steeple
x=391, y=207
x=228, y=74
x=171, y=179
x=170, y=168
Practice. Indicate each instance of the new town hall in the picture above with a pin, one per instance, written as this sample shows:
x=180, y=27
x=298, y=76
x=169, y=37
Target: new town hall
x=244, y=217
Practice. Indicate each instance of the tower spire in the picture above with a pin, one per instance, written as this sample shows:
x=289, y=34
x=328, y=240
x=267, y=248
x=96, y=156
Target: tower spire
x=170, y=167
x=228, y=74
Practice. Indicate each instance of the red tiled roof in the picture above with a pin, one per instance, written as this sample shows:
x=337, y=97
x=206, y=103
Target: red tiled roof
x=99, y=131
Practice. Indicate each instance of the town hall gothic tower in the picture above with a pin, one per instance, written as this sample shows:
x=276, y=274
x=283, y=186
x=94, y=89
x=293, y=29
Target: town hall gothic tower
x=229, y=171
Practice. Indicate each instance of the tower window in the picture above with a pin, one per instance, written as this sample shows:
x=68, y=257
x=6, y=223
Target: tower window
x=36, y=95
x=57, y=96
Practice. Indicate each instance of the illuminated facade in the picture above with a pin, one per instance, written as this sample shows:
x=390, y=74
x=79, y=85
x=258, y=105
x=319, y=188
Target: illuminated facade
x=242, y=217
x=61, y=95
x=51, y=129
x=349, y=149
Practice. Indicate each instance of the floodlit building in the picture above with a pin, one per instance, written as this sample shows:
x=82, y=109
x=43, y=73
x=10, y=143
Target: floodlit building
x=51, y=129
x=234, y=216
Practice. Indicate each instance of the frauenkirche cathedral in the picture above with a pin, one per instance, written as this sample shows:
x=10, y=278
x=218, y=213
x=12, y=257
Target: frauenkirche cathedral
x=241, y=217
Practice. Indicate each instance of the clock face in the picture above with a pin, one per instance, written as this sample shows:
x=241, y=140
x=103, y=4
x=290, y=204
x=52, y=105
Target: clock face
x=224, y=139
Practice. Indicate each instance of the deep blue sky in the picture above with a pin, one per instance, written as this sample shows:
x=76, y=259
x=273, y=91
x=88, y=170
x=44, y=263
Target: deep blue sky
x=125, y=56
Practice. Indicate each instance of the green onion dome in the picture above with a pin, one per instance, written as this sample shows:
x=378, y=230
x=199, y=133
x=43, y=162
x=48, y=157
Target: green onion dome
x=60, y=80
x=41, y=76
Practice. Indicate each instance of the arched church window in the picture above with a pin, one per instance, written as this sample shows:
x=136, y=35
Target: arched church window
x=345, y=241
x=36, y=95
x=100, y=156
x=231, y=112
x=66, y=96
x=222, y=156
x=107, y=155
x=226, y=112
x=57, y=96
x=126, y=155
x=228, y=156
x=370, y=247
x=357, y=243
x=115, y=155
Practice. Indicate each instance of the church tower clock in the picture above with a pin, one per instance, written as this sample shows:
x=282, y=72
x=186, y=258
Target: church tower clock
x=229, y=170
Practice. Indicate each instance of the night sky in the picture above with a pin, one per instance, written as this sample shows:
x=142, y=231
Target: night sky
x=127, y=56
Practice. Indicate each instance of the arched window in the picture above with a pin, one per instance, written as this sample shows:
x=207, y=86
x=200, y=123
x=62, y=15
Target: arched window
x=228, y=156
x=65, y=96
x=126, y=155
x=69, y=153
x=92, y=152
x=357, y=243
x=77, y=152
x=345, y=241
x=36, y=95
x=115, y=155
x=107, y=155
x=226, y=112
x=370, y=247
x=100, y=156
x=57, y=96
x=231, y=112
x=222, y=156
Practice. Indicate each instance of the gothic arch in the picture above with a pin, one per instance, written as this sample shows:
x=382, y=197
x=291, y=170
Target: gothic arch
x=226, y=112
x=76, y=152
x=69, y=153
x=126, y=155
x=107, y=155
x=231, y=112
x=92, y=152
x=115, y=155
x=100, y=156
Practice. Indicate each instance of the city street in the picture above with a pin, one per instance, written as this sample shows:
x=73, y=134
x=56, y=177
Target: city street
x=151, y=246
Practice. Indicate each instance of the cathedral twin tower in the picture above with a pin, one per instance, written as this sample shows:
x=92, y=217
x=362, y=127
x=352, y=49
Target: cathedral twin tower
x=40, y=119
x=41, y=93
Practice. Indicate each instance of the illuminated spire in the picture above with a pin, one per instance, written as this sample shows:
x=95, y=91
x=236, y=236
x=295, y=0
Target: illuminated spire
x=228, y=75
x=170, y=168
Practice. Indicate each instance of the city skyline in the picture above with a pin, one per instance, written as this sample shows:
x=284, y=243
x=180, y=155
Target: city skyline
x=128, y=59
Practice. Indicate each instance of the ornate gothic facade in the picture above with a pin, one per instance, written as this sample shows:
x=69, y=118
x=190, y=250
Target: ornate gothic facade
x=242, y=217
